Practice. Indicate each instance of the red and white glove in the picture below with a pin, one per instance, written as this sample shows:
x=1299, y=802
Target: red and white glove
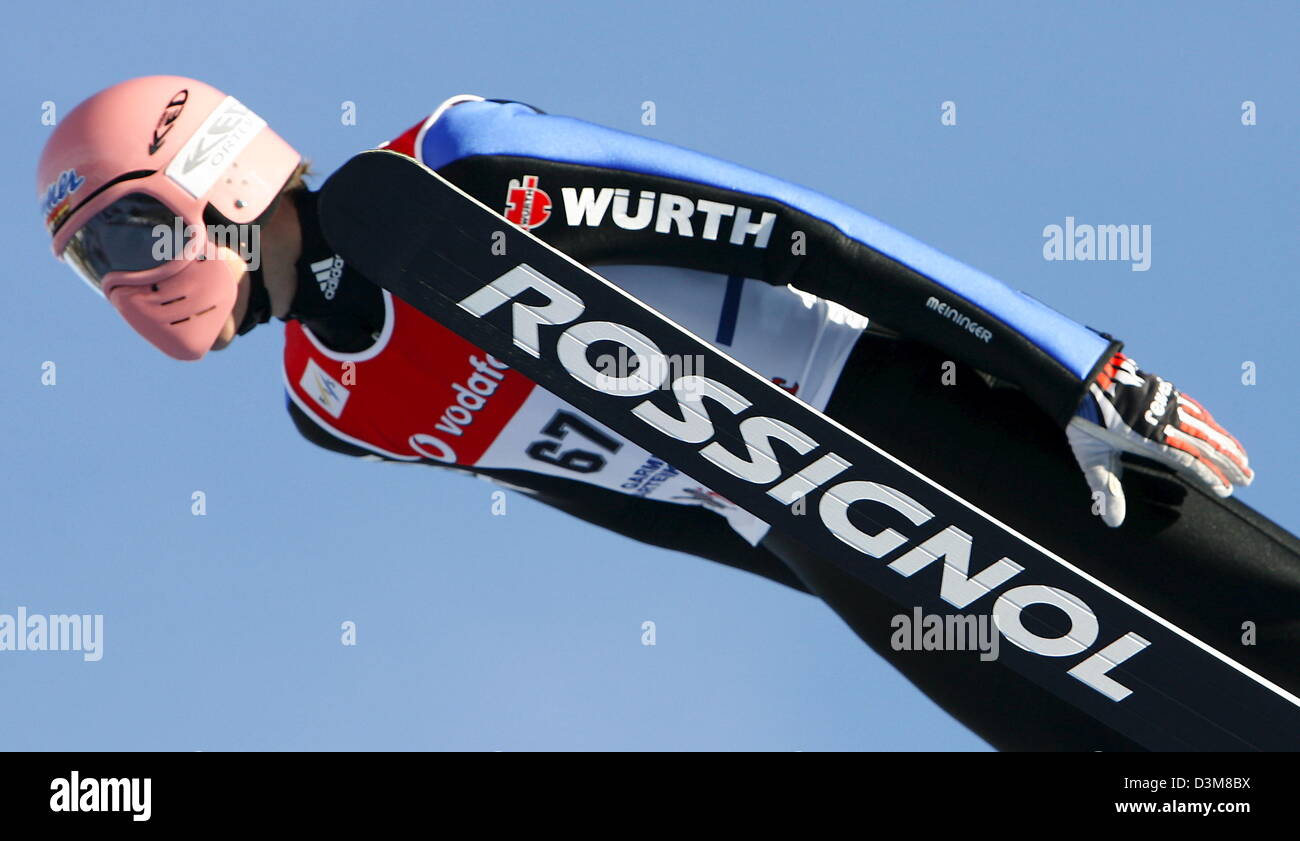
x=1130, y=410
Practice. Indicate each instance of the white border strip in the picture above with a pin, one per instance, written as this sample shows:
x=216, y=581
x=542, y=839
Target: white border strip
x=433, y=118
x=385, y=335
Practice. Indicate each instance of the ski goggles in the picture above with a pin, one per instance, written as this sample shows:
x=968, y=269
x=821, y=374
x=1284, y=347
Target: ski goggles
x=136, y=233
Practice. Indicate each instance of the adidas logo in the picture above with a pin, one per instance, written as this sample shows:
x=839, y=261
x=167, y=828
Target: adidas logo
x=328, y=272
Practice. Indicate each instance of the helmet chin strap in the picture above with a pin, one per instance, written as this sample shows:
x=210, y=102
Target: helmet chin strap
x=259, y=303
x=259, y=300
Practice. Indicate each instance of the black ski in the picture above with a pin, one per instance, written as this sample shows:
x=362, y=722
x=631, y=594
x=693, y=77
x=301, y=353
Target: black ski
x=531, y=306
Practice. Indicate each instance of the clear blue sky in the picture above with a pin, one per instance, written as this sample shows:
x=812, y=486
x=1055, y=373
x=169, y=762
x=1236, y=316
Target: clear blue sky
x=483, y=633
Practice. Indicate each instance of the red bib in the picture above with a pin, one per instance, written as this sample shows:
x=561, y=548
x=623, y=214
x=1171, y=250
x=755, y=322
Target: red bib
x=420, y=391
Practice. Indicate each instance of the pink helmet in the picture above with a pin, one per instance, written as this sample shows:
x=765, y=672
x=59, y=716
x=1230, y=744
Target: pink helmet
x=169, y=151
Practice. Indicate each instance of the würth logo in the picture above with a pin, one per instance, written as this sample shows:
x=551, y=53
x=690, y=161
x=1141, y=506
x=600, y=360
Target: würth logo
x=667, y=213
x=527, y=205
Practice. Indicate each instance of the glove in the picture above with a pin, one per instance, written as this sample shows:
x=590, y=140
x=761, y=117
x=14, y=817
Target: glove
x=1129, y=410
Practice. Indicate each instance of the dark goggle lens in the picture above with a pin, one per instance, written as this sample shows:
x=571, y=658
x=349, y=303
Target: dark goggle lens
x=120, y=238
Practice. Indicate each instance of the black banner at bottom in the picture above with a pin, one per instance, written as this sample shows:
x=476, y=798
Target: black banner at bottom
x=565, y=791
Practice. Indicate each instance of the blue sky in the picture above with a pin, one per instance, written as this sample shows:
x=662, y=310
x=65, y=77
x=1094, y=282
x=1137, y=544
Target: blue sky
x=523, y=632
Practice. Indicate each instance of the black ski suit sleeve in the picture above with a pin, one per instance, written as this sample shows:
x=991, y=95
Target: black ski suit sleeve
x=611, y=197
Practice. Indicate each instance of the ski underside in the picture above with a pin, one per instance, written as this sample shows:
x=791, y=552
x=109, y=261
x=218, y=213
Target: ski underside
x=534, y=308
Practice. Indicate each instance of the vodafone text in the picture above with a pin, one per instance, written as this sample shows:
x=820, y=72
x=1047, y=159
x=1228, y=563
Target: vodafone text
x=470, y=399
x=693, y=426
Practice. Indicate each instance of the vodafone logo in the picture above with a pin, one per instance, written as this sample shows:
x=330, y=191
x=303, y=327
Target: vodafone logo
x=527, y=205
x=471, y=398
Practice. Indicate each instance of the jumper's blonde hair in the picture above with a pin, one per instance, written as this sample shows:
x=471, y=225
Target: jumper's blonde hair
x=296, y=181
